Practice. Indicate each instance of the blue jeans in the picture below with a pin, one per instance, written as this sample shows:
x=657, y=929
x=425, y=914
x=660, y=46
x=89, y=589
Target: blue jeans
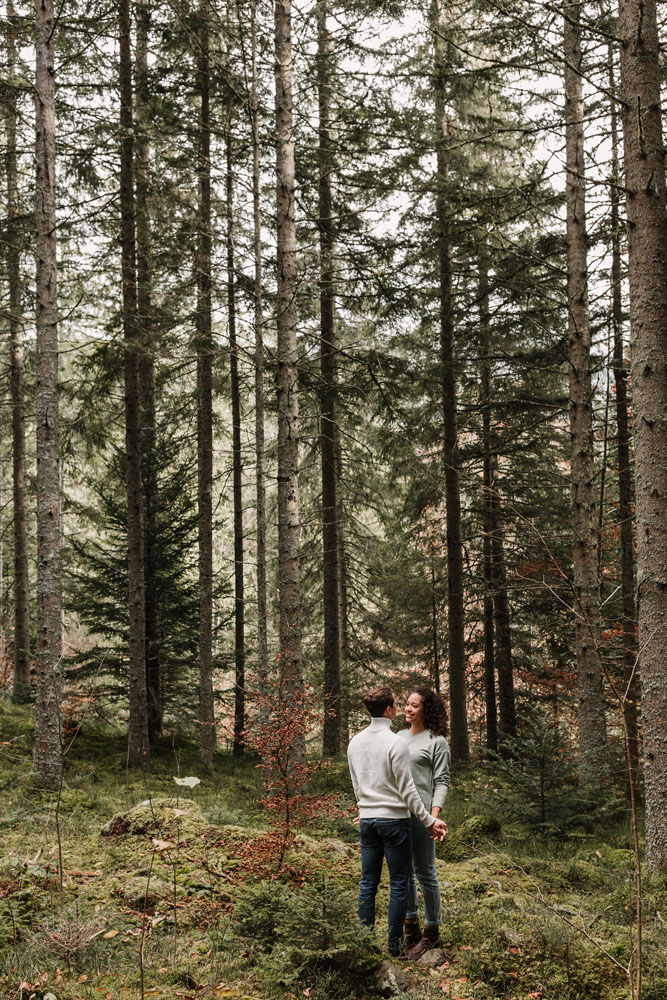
x=423, y=867
x=390, y=839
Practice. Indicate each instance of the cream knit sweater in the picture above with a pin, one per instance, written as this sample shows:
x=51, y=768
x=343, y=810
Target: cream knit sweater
x=380, y=768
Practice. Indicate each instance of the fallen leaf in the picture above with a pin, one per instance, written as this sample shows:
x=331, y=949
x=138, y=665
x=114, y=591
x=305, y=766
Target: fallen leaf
x=162, y=845
x=83, y=978
x=110, y=934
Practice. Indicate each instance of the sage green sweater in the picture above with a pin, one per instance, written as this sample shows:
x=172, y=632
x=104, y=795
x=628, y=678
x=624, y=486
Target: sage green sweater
x=429, y=762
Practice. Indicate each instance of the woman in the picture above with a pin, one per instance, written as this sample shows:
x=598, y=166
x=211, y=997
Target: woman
x=426, y=716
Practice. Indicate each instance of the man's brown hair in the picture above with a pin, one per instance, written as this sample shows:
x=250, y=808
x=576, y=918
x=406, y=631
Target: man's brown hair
x=378, y=701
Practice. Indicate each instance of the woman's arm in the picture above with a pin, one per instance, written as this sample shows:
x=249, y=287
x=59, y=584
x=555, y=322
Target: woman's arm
x=440, y=763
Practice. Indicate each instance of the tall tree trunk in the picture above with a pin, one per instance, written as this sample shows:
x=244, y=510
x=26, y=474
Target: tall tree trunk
x=646, y=204
x=434, y=631
x=205, y=400
x=287, y=368
x=501, y=616
x=47, y=754
x=603, y=468
x=491, y=710
x=491, y=714
x=457, y=679
x=260, y=491
x=21, y=685
x=625, y=513
x=3, y=631
x=138, y=724
x=592, y=725
x=343, y=617
x=237, y=473
x=147, y=369
x=328, y=366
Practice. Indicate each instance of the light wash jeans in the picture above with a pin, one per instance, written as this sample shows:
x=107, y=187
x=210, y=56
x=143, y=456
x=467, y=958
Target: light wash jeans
x=423, y=867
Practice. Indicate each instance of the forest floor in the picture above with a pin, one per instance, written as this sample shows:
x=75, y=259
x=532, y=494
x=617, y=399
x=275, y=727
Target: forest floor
x=189, y=898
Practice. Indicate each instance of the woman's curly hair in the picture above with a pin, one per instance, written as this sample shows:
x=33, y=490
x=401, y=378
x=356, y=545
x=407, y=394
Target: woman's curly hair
x=435, y=713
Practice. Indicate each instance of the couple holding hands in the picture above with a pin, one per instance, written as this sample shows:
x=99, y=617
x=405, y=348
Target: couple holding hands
x=400, y=783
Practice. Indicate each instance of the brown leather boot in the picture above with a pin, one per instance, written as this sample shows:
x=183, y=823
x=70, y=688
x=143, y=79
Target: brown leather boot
x=431, y=939
x=411, y=932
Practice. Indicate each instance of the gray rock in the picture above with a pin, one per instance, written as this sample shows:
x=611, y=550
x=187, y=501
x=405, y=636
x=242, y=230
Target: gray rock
x=430, y=959
x=391, y=980
x=338, y=847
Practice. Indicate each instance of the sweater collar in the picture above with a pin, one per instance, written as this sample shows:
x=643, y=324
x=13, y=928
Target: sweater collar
x=380, y=723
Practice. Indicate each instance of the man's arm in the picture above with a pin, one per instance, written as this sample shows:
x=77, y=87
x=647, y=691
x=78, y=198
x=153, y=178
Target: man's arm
x=353, y=776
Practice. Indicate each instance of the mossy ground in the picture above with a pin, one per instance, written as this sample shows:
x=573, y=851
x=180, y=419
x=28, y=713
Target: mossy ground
x=516, y=906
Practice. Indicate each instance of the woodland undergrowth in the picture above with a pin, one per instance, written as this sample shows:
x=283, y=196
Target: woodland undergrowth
x=183, y=898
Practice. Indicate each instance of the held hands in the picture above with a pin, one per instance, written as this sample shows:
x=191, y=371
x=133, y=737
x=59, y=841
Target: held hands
x=439, y=830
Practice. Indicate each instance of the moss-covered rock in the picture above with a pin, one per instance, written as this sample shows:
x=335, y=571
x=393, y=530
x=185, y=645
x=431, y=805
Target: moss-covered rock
x=460, y=843
x=144, y=892
x=153, y=816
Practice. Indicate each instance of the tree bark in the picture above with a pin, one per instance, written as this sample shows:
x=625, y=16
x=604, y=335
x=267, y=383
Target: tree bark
x=343, y=616
x=646, y=202
x=260, y=490
x=287, y=367
x=3, y=630
x=491, y=709
x=434, y=631
x=237, y=462
x=47, y=753
x=207, y=734
x=457, y=679
x=146, y=359
x=625, y=513
x=328, y=367
x=501, y=616
x=21, y=680
x=594, y=764
x=138, y=723
x=491, y=713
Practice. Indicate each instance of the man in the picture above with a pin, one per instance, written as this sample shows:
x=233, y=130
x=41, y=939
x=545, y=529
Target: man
x=386, y=795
